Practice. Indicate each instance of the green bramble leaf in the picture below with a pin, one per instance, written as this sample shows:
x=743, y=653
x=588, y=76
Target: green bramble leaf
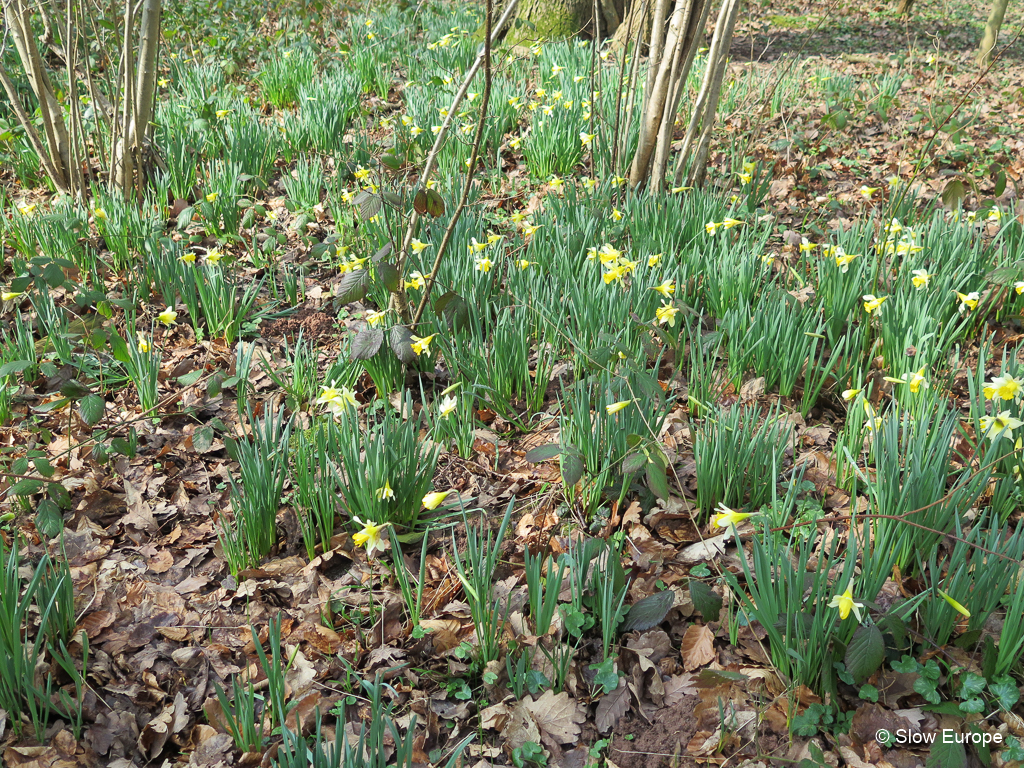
x=865, y=653
x=649, y=612
x=543, y=453
x=366, y=343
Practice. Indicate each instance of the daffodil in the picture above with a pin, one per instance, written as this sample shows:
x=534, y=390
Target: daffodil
x=418, y=245
x=843, y=261
x=666, y=289
x=677, y=190
x=744, y=178
x=845, y=603
x=712, y=227
x=616, y=214
x=8, y=295
x=163, y=82
x=893, y=227
x=555, y=69
x=27, y=210
x=1004, y=387
x=375, y=318
x=525, y=264
x=556, y=183
x=476, y=247
x=728, y=519
x=447, y=406
x=212, y=197
x=493, y=238
x=1001, y=425
x=422, y=346
x=968, y=301
x=654, y=259
x=914, y=380
x=384, y=493
x=529, y=229
x=806, y=246
x=168, y=316
x=586, y=138
x=615, y=274
x=730, y=223
x=222, y=113
x=99, y=214
x=921, y=278
x=867, y=191
x=872, y=303
x=434, y=500
x=484, y=264
x=666, y=315
x=370, y=536
x=415, y=131
x=956, y=606
x=143, y=343
x=589, y=183
x=579, y=78
x=188, y=257
x=616, y=407
x=1019, y=287
x=337, y=400
x=416, y=280
x=995, y=214
x=849, y=394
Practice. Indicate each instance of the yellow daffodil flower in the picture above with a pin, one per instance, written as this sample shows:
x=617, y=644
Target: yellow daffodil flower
x=712, y=227
x=1019, y=287
x=212, y=197
x=514, y=143
x=8, y=295
x=163, y=82
x=168, y=316
x=867, y=191
x=677, y=190
x=556, y=183
x=529, y=229
x=616, y=407
x=422, y=346
x=1001, y=425
x=728, y=518
x=384, y=493
x=872, y=303
x=555, y=69
x=995, y=214
x=749, y=167
x=418, y=245
x=433, y=500
x=915, y=380
x=143, y=343
x=956, y=606
x=586, y=138
x=518, y=217
x=843, y=261
x=589, y=183
x=666, y=289
x=99, y=214
x=27, y=210
x=730, y=223
x=493, y=238
x=666, y=315
x=222, y=113
x=188, y=257
x=845, y=603
x=618, y=181
x=1004, y=387
x=370, y=536
x=525, y=264
x=744, y=178
x=654, y=259
x=476, y=247
x=968, y=301
x=849, y=394
x=616, y=214
x=484, y=264
x=806, y=246
x=448, y=404
x=375, y=318
x=921, y=277
x=337, y=400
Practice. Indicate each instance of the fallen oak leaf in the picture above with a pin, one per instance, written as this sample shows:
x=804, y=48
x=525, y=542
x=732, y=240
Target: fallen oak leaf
x=612, y=706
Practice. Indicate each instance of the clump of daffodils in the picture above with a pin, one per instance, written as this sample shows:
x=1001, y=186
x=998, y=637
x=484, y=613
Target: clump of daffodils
x=614, y=262
x=337, y=400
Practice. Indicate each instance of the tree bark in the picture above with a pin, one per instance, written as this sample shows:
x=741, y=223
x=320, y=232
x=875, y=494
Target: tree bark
x=903, y=9
x=540, y=20
x=988, y=41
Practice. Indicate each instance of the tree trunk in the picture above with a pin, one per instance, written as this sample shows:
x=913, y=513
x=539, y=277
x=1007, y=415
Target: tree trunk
x=903, y=9
x=540, y=20
x=988, y=41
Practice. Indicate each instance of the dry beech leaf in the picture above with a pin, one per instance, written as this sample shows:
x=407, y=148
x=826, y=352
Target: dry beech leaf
x=698, y=647
x=612, y=706
x=559, y=715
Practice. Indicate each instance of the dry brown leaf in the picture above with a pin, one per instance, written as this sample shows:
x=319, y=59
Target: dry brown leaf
x=559, y=715
x=698, y=647
x=612, y=706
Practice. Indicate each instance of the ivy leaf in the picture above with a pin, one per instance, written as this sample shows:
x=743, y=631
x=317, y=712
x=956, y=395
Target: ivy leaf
x=367, y=343
x=707, y=603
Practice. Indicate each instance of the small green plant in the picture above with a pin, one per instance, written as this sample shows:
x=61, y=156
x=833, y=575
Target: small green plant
x=476, y=572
